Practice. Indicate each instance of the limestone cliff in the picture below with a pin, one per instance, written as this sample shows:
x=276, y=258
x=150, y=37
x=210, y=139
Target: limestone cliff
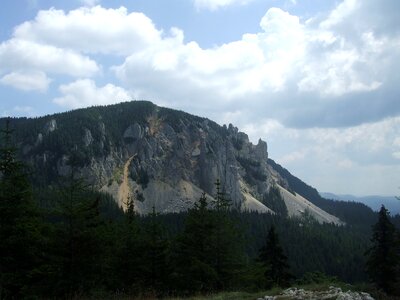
x=155, y=155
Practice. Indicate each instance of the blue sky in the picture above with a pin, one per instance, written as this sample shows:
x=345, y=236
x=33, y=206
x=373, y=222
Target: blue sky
x=317, y=79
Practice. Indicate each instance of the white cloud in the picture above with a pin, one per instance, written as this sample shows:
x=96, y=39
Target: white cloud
x=357, y=159
x=84, y=93
x=396, y=154
x=17, y=54
x=290, y=67
x=343, y=11
x=27, y=81
x=289, y=70
x=217, y=4
x=91, y=30
x=256, y=63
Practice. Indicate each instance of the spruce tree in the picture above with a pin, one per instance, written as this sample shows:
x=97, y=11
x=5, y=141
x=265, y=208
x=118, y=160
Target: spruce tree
x=129, y=259
x=227, y=246
x=195, y=271
x=274, y=261
x=78, y=245
x=383, y=258
x=20, y=224
x=155, y=255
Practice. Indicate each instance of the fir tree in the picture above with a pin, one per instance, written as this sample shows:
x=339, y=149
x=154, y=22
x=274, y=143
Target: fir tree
x=129, y=265
x=78, y=244
x=155, y=255
x=227, y=249
x=195, y=250
x=20, y=225
x=383, y=256
x=274, y=261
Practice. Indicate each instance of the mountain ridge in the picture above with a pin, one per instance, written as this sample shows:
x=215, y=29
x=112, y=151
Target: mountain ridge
x=372, y=201
x=158, y=156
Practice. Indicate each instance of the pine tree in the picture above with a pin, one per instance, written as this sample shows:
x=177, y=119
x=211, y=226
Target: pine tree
x=227, y=249
x=129, y=261
x=195, y=250
x=78, y=245
x=274, y=261
x=20, y=224
x=384, y=256
x=155, y=255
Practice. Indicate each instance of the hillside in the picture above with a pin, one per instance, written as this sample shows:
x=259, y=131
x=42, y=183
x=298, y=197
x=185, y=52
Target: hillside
x=161, y=157
x=374, y=202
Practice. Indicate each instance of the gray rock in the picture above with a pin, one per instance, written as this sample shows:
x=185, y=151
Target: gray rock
x=332, y=293
x=50, y=126
x=39, y=139
x=133, y=133
x=87, y=137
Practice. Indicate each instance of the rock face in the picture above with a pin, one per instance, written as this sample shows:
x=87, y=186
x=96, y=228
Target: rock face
x=332, y=293
x=157, y=156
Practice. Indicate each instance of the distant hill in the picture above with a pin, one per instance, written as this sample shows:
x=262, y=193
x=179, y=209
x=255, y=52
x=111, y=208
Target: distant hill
x=375, y=202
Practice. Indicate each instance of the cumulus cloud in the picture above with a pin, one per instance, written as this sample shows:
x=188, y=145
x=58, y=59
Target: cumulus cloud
x=304, y=74
x=84, y=93
x=17, y=54
x=217, y=4
x=332, y=159
x=27, y=81
x=91, y=30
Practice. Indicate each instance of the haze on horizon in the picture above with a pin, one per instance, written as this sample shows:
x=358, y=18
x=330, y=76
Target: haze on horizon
x=318, y=80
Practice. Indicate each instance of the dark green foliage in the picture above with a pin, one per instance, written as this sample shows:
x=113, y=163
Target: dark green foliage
x=384, y=255
x=209, y=253
x=334, y=250
x=274, y=261
x=226, y=240
x=142, y=178
x=20, y=225
x=194, y=256
x=155, y=255
x=129, y=264
x=274, y=201
x=88, y=247
x=79, y=236
x=316, y=278
x=253, y=172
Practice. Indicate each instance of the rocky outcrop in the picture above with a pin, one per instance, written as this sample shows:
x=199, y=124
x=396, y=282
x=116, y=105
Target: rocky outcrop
x=158, y=156
x=133, y=133
x=331, y=293
x=87, y=137
x=50, y=126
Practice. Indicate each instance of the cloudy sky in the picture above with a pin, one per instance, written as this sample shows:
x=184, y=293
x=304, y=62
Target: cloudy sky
x=319, y=80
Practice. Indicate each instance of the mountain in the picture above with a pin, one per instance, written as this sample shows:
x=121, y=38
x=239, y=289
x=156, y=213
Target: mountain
x=374, y=202
x=160, y=157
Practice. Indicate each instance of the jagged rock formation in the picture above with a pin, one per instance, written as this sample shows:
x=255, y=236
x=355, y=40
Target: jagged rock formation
x=158, y=156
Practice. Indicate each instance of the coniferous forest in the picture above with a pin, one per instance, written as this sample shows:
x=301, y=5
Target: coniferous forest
x=71, y=241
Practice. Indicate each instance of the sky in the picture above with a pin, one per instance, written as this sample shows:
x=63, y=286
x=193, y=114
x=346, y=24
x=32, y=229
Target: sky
x=318, y=80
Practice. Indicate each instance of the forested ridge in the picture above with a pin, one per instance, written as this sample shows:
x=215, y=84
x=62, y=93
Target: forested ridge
x=68, y=240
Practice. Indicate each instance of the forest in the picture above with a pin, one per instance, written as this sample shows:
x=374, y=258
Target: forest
x=69, y=240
